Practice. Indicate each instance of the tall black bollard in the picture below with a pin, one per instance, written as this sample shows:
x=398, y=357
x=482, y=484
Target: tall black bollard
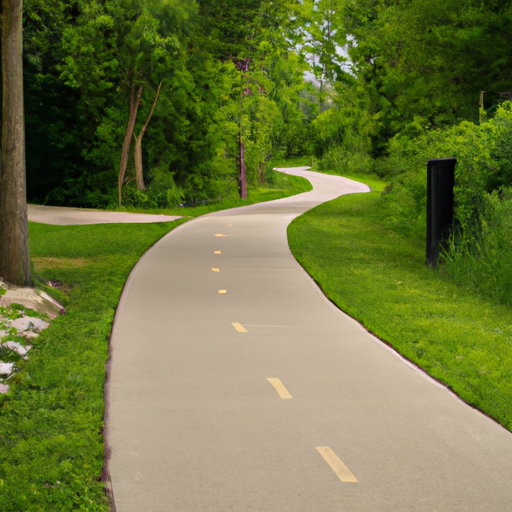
x=440, y=182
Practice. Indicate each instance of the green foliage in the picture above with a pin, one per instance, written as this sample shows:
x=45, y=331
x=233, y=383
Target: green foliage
x=84, y=57
x=479, y=253
x=379, y=277
x=323, y=30
x=482, y=259
x=426, y=61
x=413, y=66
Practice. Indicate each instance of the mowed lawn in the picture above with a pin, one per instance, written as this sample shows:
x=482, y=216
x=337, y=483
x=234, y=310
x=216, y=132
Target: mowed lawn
x=380, y=278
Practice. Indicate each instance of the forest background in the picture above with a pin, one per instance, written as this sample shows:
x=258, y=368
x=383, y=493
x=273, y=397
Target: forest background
x=156, y=103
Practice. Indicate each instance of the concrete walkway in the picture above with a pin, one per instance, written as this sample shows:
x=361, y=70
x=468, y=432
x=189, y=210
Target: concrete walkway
x=235, y=385
x=71, y=216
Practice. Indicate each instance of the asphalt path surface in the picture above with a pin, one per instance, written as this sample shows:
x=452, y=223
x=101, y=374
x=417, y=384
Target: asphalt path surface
x=235, y=385
x=62, y=216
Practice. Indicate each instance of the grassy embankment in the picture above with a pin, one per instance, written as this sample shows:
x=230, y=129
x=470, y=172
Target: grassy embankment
x=379, y=277
x=51, y=444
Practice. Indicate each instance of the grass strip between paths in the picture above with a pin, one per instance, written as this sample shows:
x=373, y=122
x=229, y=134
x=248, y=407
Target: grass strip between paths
x=379, y=277
x=283, y=185
x=51, y=421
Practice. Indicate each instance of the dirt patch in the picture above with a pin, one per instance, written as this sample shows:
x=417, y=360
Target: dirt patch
x=46, y=263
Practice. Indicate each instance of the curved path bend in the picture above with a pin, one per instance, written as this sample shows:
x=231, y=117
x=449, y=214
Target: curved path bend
x=235, y=385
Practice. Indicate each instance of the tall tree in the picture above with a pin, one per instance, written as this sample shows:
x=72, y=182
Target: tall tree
x=139, y=48
x=246, y=32
x=324, y=38
x=14, y=248
x=139, y=170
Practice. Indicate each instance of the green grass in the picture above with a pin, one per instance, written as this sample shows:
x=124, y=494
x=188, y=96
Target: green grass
x=282, y=185
x=379, y=277
x=51, y=444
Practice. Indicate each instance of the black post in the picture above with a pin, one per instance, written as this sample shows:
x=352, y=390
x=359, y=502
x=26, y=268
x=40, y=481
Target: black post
x=440, y=182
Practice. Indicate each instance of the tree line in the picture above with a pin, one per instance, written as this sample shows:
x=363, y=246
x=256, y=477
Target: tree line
x=158, y=102
x=427, y=79
x=411, y=67
x=155, y=103
x=148, y=102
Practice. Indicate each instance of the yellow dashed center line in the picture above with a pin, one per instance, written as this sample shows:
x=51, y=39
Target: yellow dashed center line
x=217, y=252
x=239, y=327
x=342, y=472
x=220, y=235
x=215, y=269
x=281, y=390
x=223, y=291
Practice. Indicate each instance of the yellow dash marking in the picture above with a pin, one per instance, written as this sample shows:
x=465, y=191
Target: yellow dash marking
x=215, y=269
x=223, y=291
x=342, y=472
x=230, y=225
x=239, y=327
x=281, y=390
x=220, y=235
x=217, y=252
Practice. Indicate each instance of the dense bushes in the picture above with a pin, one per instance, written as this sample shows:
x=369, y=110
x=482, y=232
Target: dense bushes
x=480, y=253
x=83, y=61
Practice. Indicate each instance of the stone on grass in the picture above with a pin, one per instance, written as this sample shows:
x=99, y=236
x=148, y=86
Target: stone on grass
x=4, y=388
x=21, y=324
x=37, y=324
x=17, y=347
x=51, y=300
x=27, y=323
x=30, y=298
x=6, y=368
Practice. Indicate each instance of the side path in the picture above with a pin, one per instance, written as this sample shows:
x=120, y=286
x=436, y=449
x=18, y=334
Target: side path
x=236, y=386
x=64, y=216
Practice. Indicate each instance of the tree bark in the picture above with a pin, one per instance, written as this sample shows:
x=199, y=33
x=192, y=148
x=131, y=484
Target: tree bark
x=135, y=96
x=243, y=66
x=139, y=170
x=242, y=175
x=14, y=248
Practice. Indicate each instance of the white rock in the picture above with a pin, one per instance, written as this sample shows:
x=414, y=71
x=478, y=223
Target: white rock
x=19, y=295
x=31, y=298
x=4, y=388
x=59, y=306
x=17, y=347
x=30, y=334
x=26, y=323
x=6, y=368
x=37, y=323
x=21, y=324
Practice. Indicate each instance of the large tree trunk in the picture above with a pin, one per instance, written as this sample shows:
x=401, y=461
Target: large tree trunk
x=135, y=96
x=14, y=248
x=139, y=170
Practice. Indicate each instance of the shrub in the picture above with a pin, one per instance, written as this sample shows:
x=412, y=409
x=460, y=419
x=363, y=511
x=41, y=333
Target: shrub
x=479, y=252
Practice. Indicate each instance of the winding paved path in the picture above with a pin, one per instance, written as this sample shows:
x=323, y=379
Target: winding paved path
x=236, y=386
